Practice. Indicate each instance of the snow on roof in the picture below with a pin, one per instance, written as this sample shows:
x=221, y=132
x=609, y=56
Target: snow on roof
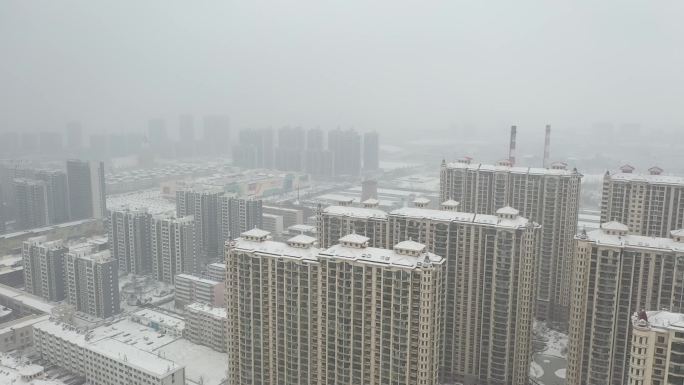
x=302, y=228
x=28, y=300
x=371, y=201
x=379, y=256
x=356, y=239
x=302, y=239
x=454, y=216
x=421, y=200
x=614, y=226
x=199, y=307
x=140, y=359
x=677, y=233
x=602, y=237
x=273, y=248
x=512, y=170
x=450, y=203
x=256, y=233
x=647, y=178
x=197, y=279
x=169, y=320
x=508, y=210
x=355, y=212
x=664, y=319
x=410, y=245
x=202, y=364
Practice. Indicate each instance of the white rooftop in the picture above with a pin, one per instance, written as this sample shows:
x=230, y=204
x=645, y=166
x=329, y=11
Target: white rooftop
x=663, y=319
x=202, y=364
x=421, y=200
x=197, y=279
x=410, y=245
x=513, y=170
x=648, y=178
x=273, y=248
x=256, y=233
x=219, y=312
x=166, y=319
x=508, y=210
x=455, y=216
x=355, y=212
x=614, y=226
x=302, y=228
x=450, y=203
x=302, y=239
x=379, y=256
x=601, y=237
x=356, y=239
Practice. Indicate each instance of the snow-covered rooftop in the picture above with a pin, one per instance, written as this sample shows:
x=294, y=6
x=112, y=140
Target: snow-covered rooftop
x=197, y=279
x=602, y=237
x=302, y=239
x=256, y=233
x=647, y=178
x=513, y=170
x=661, y=319
x=508, y=210
x=355, y=212
x=355, y=239
x=374, y=255
x=219, y=312
x=203, y=366
x=455, y=216
x=273, y=248
x=159, y=317
x=614, y=226
x=410, y=245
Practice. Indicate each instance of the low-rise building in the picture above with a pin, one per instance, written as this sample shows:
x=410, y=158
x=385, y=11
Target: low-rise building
x=216, y=272
x=206, y=325
x=191, y=288
x=18, y=334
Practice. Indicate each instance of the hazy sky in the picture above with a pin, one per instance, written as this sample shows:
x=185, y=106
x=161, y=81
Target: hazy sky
x=383, y=64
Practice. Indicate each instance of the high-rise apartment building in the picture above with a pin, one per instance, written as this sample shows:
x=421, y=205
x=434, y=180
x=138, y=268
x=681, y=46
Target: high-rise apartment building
x=350, y=314
x=205, y=207
x=616, y=275
x=289, y=155
x=238, y=215
x=157, y=135
x=57, y=195
x=173, y=247
x=130, y=239
x=549, y=197
x=335, y=222
x=74, y=136
x=92, y=281
x=186, y=135
x=371, y=151
x=255, y=149
x=490, y=288
x=44, y=268
x=217, y=134
x=86, y=185
x=31, y=203
x=649, y=204
x=657, y=348
x=345, y=146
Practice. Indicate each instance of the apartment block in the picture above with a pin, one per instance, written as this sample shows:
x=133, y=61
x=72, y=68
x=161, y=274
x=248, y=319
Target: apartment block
x=129, y=239
x=191, y=288
x=206, y=325
x=335, y=222
x=616, y=275
x=348, y=314
x=216, y=272
x=44, y=268
x=548, y=196
x=92, y=281
x=237, y=216
x=204, y=206
x=173, y=247
x=649, y=204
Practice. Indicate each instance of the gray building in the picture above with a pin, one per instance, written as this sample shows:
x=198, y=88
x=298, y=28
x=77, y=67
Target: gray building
x=31, y=199
x=129, y=239
x=205, y=207
x=345, y=146
x=335, y=222
x=57, y=195
x=549, y=197
x=371, y=151
x=92, y=281
x=86, y=185
x=239, y=215
x=174, y=248
x=649, y=204
x=44, y=268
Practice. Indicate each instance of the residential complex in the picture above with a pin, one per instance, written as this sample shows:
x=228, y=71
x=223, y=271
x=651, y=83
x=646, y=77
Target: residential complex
x=44, y=268
x=173, y=247
x=549, y=197
x=335, y=222
x=616, y=275
x=648, y=204
x=237, y=216
x=92, y=281
x=129, y=239
x=191, y=288
x=206, y=325
x=31, y=198
x=657, y=348
x=348, y=314
x=204, y=206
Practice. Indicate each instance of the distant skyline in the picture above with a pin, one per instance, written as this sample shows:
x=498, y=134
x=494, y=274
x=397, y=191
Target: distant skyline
x=387, y=66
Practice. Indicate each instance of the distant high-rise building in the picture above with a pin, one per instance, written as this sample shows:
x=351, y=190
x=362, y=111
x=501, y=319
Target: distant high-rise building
x=273, y=224
x=173, y=247
x=490, y=289
x=31, y=198
x=371, y=151
x=649, y=204
x=74, y=136
x=289, y=155
x=99, y=145
x=315, y=139
x=217, y=134
x=50, y=143
x=186, y=135
x=255, y=149
x=130, y=239
x=351, y=314
x=86, y=186
x=656, y=348
x=44, y=268
x=204, y=206
x=29, y=142
x=57, y=195
x=319, y=163
x=291, y=216
x=92, y=281
x=335, y=222
x=615, y=275
x=239, y=215
x=346, y=148
x=157, y=135
x=549, y=197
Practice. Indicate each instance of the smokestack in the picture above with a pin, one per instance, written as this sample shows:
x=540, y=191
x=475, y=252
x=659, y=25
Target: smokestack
x=511, y=148
x=547, y=146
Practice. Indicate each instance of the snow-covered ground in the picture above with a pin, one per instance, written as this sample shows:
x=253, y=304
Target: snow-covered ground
x=536, y=370
x=556, y=343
